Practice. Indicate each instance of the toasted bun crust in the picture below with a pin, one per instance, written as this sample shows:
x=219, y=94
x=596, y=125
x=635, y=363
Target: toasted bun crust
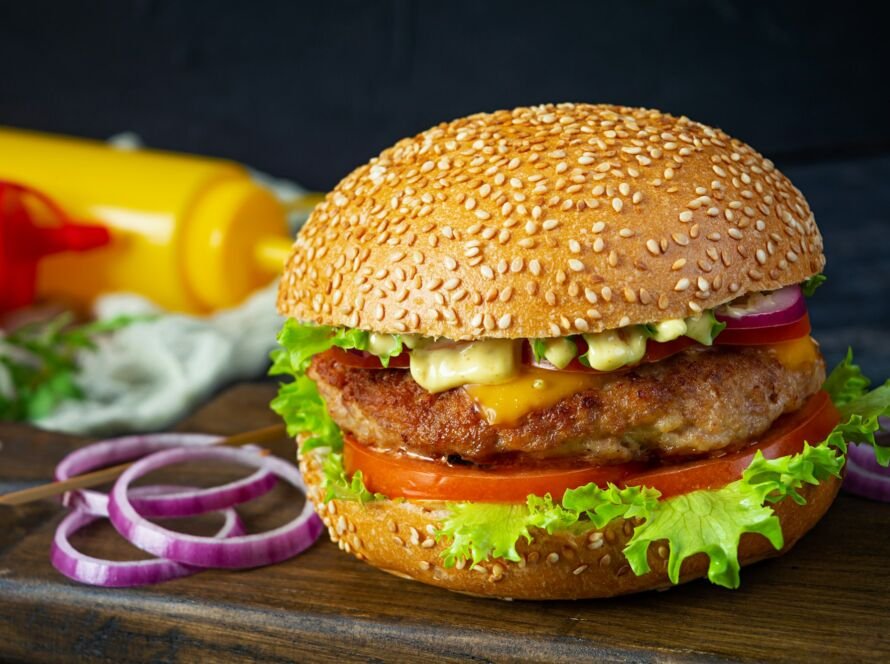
x=396, y=536
x=546, y=221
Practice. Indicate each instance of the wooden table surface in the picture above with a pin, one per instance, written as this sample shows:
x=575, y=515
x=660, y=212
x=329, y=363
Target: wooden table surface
x=827, y=600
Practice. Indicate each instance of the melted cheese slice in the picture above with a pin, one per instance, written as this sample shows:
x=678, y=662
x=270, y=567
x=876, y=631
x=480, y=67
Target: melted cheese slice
x=797, y=353
x=532, y=390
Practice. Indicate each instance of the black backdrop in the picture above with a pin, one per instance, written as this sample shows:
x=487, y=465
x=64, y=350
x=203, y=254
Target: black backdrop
x=309, y=90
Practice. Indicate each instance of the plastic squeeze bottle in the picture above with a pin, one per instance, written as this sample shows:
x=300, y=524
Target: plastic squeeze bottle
x=192, y=234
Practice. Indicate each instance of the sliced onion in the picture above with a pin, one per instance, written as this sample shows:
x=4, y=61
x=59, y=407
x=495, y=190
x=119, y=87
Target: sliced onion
x=865, y=476
x=111, y=573
x=179, y=503
x=236, y=552
x=772, y=309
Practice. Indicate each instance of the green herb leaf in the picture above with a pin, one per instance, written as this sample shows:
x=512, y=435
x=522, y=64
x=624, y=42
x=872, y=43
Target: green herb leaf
x=810, y=284
x=539, y=349
x=40, y=361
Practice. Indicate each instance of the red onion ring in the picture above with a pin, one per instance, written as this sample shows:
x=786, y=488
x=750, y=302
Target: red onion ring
x=180, y=503
x=780, y=307
x=865, y=476
x=111, y=573
x=236, y=552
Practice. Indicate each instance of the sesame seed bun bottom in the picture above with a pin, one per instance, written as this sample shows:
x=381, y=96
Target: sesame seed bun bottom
x=397, y=537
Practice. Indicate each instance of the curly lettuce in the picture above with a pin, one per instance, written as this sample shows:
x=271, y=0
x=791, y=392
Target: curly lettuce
x=298, y=403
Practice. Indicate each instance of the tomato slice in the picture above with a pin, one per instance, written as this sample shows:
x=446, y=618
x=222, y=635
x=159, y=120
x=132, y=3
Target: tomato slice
x=419, y=479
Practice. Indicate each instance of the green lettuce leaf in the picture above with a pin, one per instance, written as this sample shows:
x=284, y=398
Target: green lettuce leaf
x=848, y=388
x=339, y=487
x=601, y=506
x=781, y=478
x=709, y=522
x=846, y=382
x=479, y=530
x=298, y=403
x=303, y=410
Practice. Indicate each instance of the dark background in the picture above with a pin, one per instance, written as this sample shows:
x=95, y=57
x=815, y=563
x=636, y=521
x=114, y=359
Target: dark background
x=309, y=90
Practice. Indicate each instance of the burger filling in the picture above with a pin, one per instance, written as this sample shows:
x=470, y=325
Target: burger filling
x=698, y=402
x=643, y=405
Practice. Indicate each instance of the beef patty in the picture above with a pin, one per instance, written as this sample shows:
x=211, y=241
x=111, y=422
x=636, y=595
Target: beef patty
x=695, y=403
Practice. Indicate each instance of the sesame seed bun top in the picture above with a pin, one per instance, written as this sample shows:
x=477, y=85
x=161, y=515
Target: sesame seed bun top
x=546, y=221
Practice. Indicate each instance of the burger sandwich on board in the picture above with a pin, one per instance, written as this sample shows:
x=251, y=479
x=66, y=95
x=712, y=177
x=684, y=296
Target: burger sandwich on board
x=563, y=352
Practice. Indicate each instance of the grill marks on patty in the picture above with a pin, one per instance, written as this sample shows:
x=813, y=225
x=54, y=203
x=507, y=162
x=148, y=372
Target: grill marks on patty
x=695, y=403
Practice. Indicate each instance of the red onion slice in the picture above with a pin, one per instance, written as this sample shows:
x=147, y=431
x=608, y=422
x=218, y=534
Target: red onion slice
x=779, y=307
x=865, y=476
x=236, y=552
x=181, y=503
x=120, y=574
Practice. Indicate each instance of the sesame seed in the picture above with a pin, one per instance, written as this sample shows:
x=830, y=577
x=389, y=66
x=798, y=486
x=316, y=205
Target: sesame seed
x=553, y=558
x=505, y=321
x=534, y=267
x=686, y=216
x=487, y=272
x=653, y=247
x=574, y=246
x=617, y=204
x=576, y=265
x=682, y=284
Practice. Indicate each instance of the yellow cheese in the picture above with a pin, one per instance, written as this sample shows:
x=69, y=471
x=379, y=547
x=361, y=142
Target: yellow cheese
x=532, y=390
x=795, y=354
x=489, y=362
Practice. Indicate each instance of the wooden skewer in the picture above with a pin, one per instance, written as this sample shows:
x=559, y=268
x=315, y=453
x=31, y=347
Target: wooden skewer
x=111, y=473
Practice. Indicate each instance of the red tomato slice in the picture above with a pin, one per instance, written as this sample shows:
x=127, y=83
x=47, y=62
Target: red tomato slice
x=406, y=477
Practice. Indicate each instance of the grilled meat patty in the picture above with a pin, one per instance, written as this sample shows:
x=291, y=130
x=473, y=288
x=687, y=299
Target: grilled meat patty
x=695, y=403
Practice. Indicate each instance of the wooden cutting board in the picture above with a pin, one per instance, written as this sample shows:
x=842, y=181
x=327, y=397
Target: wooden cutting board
x=828, y=600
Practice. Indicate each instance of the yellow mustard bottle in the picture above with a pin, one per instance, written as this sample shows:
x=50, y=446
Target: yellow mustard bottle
x=192, y=234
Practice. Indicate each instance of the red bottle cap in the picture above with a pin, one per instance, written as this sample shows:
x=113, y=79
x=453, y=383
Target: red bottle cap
x=33, y=226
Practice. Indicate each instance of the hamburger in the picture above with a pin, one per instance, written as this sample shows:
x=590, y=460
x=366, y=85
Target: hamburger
x=563, y=352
